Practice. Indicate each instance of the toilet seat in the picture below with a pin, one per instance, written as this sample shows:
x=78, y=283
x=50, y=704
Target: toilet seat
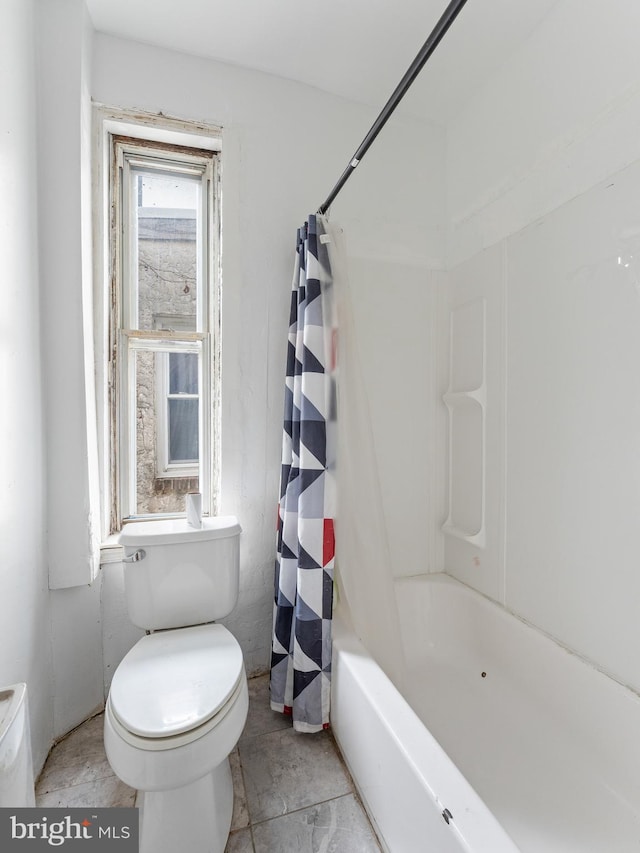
x=172, y=683
x=149, y=744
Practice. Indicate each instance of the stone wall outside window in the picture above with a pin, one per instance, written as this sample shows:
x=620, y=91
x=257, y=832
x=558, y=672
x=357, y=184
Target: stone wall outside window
x=166, y=287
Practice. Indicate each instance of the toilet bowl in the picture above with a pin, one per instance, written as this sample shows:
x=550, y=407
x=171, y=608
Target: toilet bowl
x=178, y=700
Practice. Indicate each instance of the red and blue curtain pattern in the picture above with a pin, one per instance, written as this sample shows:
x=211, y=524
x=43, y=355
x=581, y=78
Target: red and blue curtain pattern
x=301, y=647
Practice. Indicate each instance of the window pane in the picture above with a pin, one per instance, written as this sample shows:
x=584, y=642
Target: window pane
x=183, y=373
x=165, y=434
x=167, y=209
x=183, y=430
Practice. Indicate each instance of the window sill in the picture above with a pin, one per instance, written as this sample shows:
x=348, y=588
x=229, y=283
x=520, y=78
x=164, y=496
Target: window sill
x=111, y=551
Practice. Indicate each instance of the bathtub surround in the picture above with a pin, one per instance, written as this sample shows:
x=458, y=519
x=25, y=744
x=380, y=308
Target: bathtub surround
x=544, y=227
x=301, y=646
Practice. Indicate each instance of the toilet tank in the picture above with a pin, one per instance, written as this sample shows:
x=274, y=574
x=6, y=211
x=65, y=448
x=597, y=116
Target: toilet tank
x=181, y=575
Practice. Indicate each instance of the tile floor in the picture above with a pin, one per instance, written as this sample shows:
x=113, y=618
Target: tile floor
x=293, y=793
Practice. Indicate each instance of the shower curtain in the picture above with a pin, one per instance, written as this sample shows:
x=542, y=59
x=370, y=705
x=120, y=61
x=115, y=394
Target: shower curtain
x=301, y=643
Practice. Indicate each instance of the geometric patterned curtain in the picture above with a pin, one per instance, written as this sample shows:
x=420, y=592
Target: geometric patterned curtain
x=301, y=645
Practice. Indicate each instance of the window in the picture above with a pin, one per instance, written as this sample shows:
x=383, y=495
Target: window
x=177, y=408
x=163, y=389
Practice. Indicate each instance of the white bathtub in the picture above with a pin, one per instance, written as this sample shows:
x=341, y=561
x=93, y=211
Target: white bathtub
x=527, y=746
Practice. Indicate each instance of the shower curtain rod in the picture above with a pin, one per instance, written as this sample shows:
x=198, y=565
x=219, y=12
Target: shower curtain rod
x=448, y=17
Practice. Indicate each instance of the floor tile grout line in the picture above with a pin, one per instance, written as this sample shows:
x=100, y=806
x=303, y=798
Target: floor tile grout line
x=244, y=789
x=75, y=784
x=311, y=806
x=244, y=738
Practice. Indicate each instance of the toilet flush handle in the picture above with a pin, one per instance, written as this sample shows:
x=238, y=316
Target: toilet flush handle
x=138, y=555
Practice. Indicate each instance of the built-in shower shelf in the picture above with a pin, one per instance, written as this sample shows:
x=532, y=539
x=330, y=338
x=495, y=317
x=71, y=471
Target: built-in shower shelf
x=478, y=539
x=455, y=398
x=466, y=402
x=474, y=396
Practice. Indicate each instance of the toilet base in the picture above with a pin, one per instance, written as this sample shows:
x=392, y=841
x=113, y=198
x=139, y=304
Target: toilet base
x=195, y=818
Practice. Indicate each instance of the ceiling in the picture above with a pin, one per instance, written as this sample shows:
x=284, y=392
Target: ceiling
x=358, y=49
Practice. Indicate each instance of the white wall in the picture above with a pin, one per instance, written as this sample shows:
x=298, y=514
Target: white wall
x=284, y=146
x=25, y=641
x=64, y=46
x=573, y=458
x=119, y=634
x=263, y=151
x=559, y=116
x=64, y=53
x=538, y=170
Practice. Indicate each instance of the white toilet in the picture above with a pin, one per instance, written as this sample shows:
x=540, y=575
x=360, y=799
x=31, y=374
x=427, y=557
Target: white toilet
x=178, y=701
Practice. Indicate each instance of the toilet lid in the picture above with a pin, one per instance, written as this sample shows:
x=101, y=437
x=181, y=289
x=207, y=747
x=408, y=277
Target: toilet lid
x=172, y=681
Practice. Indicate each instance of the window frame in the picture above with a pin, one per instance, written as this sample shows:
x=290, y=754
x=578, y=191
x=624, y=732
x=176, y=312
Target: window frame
x=124, y=339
